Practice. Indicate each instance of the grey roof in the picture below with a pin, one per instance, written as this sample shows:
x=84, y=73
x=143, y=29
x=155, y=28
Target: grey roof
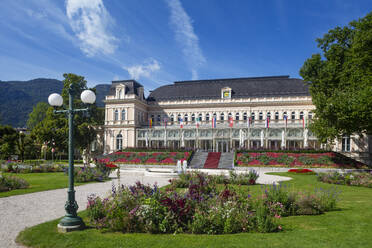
x=131, y=86
x=240, y=88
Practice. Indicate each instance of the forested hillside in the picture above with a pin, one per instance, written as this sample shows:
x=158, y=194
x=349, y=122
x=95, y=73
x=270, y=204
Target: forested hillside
x=17, y=98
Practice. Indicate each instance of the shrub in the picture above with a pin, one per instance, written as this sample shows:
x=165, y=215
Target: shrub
x=363, y=179
x=88, y=174
x=285, y=159
x=8, y=183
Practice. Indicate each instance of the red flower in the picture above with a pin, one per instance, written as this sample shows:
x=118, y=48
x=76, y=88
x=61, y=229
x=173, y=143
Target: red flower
x=111, y=165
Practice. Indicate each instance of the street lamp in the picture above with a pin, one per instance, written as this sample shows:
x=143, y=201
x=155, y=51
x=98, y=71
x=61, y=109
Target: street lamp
x=71, y=221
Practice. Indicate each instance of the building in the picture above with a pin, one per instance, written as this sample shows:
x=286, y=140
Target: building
x=216, y=115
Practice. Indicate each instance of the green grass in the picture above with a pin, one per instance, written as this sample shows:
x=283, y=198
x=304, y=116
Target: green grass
x=349, y=226
x=39, y=182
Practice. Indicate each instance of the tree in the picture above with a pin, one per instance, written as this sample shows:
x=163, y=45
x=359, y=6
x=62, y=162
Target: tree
x=340, y=81
x=8, y=141
x=37, y=115
x=54, y=127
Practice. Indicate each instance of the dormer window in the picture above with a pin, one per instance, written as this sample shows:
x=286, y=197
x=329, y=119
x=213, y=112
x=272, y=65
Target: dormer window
x=226, y=93
x=120, y=92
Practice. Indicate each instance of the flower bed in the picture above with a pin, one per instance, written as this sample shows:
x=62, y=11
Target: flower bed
x=302, y=171
x=185, y=179
x=8, y=183
x=15, y=167
x=201, y=209
x=99, y=173
x=351, y=179
x=146, y=158
x=278, y=159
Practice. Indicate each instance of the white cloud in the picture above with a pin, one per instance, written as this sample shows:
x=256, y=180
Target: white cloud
x=185, y=35
x=90, y=21
x=144, y=70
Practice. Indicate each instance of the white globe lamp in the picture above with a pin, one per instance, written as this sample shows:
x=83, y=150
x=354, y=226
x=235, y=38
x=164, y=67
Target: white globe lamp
x=55, y=100
x=88, y=96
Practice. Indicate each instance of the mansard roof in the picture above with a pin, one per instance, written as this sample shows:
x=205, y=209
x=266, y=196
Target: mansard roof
x=131, y=86
x=273, y=86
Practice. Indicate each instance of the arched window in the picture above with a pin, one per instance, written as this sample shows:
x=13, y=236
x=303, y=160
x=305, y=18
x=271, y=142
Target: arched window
x=237, y=116
x=123, y=115
x=193, y=118
x=230, y=116
x=276, y=115
x=116, y=115
x=179, y=118
x=260, y=116
x=268, y=115
x=245, y=116
x=215, y=116
x=200, y=117
x=158, y=119
x=186, y=118
x=301, y=115
x=293, y=115
x=207, y=117
x=172, y=118
x=253, y=116
x=284, y=115
x=152, y=119
x=222, y=116
x=310, y=115
x=119, y=142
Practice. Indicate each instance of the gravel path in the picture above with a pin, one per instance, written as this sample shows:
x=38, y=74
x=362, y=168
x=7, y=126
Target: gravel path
x=22, y=211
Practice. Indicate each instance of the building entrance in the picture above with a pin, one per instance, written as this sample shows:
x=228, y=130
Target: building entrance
x=222, y=146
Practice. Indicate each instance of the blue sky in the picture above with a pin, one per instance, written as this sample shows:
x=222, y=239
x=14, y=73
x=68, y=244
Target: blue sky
x=158, y=42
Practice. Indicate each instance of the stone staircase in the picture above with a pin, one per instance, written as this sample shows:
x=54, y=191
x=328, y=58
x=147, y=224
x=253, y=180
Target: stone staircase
x=198, y=160
x=226, y=160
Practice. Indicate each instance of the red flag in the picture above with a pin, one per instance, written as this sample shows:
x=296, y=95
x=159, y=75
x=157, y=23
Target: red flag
x=231, y=121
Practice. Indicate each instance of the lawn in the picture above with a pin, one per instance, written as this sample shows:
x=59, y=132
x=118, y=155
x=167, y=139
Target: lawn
x=349, y=226
x=39, y=182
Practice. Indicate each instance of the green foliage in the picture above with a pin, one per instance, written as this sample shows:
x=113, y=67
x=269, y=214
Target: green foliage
x=8, y=183
x=37, y=115
x=341, y=80
x=363, y=179
x=8, y=141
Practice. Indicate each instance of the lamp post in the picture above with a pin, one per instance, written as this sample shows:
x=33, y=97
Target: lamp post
x=71, y=221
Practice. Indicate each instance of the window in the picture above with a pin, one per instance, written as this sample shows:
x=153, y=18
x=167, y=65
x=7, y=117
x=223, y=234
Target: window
x=123, y=115
x=158, y=119
x=215, y=116
x=268, y=115
x=200, y=117
x=301, y=115
x=186, y=117
x=260, y=116
x=119, y=94
x=207, y=117
x=284, y=115
x=237, y=116
x=276, y=115
x=310, y=115
x=193, y=118
x=116, y=115
x=179, y=118
x=346, y=144
x=152, y=119
x=293, y=115
x=172, y=119
x=119, y=142
x=222, y=116
x=253, y=116
x=245, y=116
x=226, y=93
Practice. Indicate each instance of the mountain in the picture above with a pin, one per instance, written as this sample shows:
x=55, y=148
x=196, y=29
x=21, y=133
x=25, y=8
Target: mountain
x=17, y=98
